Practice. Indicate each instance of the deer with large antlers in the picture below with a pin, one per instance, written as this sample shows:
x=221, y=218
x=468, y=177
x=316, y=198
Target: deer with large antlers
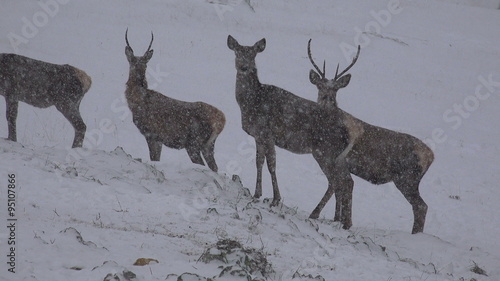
x=276, y=117
x=42, y=84
x=162, y=120
x=377, y=155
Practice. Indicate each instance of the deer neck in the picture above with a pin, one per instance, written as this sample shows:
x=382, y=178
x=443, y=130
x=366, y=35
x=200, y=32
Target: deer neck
x=136, y=87
x=247, y=81
x=137, y=78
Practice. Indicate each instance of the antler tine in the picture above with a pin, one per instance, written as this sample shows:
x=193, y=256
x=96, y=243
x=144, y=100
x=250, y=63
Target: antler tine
x=126, y=38
x=312, y=61
x=349, y=67
x=151, y=43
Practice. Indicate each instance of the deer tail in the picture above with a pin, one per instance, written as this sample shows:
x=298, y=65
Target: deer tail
x=84, y=79
x=425, y=156
x=217, y=121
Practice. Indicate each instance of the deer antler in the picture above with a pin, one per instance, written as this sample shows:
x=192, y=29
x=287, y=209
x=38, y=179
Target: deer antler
x=322, y=74
x=151, y=43
x=337, y=76
x=126, y=38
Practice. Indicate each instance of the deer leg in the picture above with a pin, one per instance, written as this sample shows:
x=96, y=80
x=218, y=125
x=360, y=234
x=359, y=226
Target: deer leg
x=346, y=187
x=154, y=149
x=195, y=155
x=271, y=166
x=419, y=213
x=338, y=206
x=329, y=192
x=73, y=115
x=339, y=182
x=325, y=165
x=11, y=113
x=208, y=154
x=259, y=162
x=409, y=189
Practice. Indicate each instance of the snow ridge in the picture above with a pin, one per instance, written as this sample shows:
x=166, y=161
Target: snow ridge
x=137, y=210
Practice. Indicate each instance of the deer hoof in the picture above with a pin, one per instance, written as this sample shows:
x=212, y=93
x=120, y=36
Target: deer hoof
x=275, y=203
x=418, y=230
x=346, y=226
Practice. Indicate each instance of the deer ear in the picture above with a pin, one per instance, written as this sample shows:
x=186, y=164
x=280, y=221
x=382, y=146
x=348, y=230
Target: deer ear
x=344, y=81
x=261, y=45
x=314, y=77
x=148, y=55
x=128, y=52
x=231, y=42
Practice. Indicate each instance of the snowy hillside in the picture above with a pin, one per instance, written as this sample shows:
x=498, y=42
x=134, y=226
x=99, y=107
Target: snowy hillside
x=99, y=215
x=427, y=68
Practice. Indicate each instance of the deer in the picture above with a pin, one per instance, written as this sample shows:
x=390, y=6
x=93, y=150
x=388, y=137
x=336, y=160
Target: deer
x=162, y=120
x=42, y=84
x=276, y=117
x=378, y=155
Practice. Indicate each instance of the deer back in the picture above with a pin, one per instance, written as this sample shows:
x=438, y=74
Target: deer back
x=175, y=123
x=39, y=83
x=380, y=154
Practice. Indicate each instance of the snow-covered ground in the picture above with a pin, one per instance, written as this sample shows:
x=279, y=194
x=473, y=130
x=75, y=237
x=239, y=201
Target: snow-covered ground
x=428, y=68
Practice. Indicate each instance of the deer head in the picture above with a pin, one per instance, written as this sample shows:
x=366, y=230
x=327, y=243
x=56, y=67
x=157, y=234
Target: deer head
x=245, y=55
x=327, y=89
x=138, y=64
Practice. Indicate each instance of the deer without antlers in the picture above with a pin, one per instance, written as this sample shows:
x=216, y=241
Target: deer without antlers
x=174, y=123
x=42, y=84
x=378, y=155
x=276, y=117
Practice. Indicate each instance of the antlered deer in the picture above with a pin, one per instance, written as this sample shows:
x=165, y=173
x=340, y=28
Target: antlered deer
x=274, y=116
x=43, y=84
x=163, y=120
x=378, y=155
